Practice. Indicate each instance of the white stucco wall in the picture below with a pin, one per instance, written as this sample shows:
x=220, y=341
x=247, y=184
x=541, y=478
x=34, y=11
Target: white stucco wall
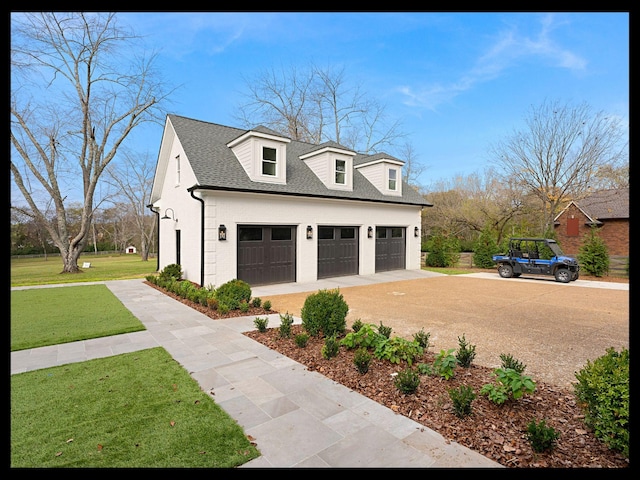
x=233, y=209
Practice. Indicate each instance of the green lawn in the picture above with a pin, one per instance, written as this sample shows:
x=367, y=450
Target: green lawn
x=38, y=271
x=140, y=409
x=48, y=316
x=135, y=410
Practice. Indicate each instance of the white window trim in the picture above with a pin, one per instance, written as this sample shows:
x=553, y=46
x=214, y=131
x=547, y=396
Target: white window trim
x=395, y=180
x=177, y=170
x=344, y=172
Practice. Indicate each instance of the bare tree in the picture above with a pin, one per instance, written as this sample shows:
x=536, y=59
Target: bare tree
x=412, y=166
x=316, y=105
x=558, y=155
x=78, y=90
x=133, y=177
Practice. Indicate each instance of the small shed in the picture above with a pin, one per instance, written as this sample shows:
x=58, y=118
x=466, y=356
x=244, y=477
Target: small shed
x=130, y=249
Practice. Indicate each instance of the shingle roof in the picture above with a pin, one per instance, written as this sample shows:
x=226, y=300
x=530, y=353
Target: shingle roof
x=216, y=167
x=606, y=204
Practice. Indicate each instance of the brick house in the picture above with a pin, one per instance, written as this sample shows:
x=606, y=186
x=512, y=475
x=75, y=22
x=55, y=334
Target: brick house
x=606, y=209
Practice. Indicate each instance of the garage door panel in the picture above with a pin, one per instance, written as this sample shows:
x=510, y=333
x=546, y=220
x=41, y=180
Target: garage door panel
x=266, y=254
x=390, y=248
x=337, y=251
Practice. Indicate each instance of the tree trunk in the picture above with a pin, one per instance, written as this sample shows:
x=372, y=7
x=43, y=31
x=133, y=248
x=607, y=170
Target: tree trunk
x=70, y=260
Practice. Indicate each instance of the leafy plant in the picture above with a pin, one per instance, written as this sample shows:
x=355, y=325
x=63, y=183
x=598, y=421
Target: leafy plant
x=256, y=302
x=424, y=369
x=484, y=248
x=172, y=270
x=407, y=381
x=397, y=349
x=362, y=359
x=366, y=336
x=445, y=363
x=541, y=437
x=267, y=305
x=603, y=394
x=286, y=321
x=466, y=353
x=261, y=324
x=302, y=339
x=325, y=312
x=511, y=384
x=509, y=362
x=462, y=398
x=330, y=348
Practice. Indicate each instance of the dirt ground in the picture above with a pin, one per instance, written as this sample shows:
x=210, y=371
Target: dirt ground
x=552, y=328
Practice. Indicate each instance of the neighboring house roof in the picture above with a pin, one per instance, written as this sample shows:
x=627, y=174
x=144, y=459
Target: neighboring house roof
x=216, y=167
x=603, y=205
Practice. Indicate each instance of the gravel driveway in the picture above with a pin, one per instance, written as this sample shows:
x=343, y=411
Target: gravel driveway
x=552, y=328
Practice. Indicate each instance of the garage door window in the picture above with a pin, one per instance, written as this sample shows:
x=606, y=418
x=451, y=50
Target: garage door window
x=281, y=233
x=396, y=232
x=347, y=233
x=250, y=234
x=325, y=233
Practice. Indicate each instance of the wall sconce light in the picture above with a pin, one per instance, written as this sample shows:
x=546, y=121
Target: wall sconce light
x=370, y=232
x=222, y=232
x=167, y=217
x=309, y=232
x=416, y=232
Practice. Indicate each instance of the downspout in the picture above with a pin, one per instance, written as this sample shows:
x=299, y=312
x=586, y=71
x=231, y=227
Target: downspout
x=201, y=236
x=157, y=235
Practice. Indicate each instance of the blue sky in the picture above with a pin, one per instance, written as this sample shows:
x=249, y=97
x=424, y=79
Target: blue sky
x=457, y=82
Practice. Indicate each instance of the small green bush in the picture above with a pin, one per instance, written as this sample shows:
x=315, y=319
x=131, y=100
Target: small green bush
x=384, y=330
x=330, y=348
x=302, y=339
x=244, y=306
x=603, y=394
x=466, y=353
x=286, y=321
x=422, y=338
x=462, y=398
x=233, y=293
x=256, y=302
x=362, y=359
x=407, y=381
x=509, y=362
x=261, y=324
x=541, y=437
x=325, y=312
x=172, y=270
x=267, y=305
x=593, y=255
x=357, y=325
x=445, y=364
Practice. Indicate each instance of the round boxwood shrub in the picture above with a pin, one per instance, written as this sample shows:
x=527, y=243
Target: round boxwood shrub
x=325, y=312
x=233, y=293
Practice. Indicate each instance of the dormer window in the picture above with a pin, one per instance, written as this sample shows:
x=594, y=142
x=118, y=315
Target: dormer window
x=341, y=172
x=269, y=160
x=393, y=179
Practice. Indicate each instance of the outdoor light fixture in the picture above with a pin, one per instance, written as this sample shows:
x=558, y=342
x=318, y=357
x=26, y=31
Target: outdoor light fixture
x=370, y=232
x=309, y=232
x=222, y=232
x=416, y=232
x=167, y=217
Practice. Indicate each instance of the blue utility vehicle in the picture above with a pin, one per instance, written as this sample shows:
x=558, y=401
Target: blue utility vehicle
x=537, y=256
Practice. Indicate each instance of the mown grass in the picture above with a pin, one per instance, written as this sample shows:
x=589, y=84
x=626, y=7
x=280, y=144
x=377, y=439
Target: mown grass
x=134, y=410
x=49, y=316
x=40, y=271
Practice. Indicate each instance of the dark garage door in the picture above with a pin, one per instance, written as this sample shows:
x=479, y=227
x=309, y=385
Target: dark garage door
x=337, y=251
x=390, y=248
x=266, y=254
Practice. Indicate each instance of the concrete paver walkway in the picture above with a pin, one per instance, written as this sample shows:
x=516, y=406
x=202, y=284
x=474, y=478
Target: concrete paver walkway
x=297, y=418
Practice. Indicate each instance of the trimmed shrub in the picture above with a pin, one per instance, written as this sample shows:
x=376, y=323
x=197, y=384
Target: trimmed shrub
x=233, y=293
x=325, y=312
x=603, y=393
x=172, y=270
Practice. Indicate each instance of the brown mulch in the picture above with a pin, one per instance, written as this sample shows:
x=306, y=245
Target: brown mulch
x=496, y=431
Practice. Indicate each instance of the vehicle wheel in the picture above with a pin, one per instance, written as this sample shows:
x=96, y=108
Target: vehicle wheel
x=563, y=275
x=505, y=271
x=575, y=276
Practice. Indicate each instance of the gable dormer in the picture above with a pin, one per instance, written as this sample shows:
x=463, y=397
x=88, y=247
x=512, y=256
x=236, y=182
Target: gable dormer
x=384, y=172
x=333, y=165
x=263, y=155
